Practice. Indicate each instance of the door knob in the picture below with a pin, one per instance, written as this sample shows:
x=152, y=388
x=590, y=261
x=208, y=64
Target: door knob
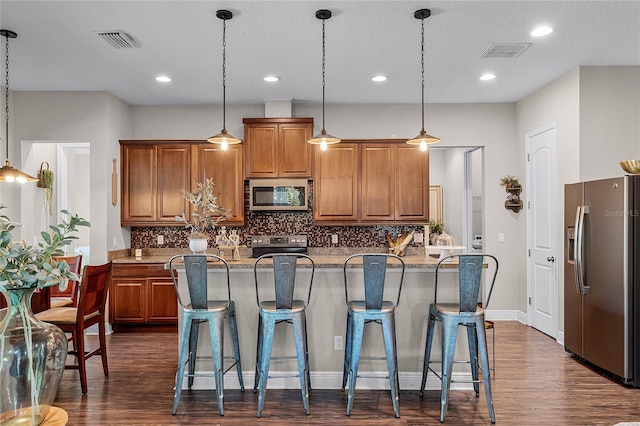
x=551, y=259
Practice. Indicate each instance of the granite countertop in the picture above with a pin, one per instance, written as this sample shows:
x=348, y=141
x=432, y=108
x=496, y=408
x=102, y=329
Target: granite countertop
x=322, y=260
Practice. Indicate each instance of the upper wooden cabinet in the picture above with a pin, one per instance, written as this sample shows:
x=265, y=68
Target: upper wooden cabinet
x=153, y=176
x=277, y=147
x=154, y=173
x=335, y=184
x=367, y=182
x=225, y=168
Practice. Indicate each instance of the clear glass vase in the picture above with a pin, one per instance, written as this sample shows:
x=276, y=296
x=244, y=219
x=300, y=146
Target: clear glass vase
x=32, y=359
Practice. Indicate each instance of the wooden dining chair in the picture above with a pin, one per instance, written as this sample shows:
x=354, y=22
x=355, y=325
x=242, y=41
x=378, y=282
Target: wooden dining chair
x=90, y=310
x=68, y=297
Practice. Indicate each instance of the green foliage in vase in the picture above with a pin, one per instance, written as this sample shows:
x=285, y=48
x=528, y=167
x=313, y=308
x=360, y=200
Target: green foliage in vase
x=436, y=226
x=27, y=266
x=206, y=211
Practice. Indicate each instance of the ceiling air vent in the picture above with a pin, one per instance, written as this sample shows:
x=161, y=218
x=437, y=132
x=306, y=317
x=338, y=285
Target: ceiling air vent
x=504, y=50
x=118, y=39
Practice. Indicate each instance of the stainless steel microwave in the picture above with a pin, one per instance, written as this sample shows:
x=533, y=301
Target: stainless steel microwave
x=278, y=194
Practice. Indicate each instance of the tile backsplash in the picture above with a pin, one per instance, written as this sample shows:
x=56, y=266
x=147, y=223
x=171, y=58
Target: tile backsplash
x=276, y=223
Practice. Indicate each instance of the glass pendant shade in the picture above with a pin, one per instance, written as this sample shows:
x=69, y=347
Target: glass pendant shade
x=224, y=139
x=323, y=139
x=9, y=174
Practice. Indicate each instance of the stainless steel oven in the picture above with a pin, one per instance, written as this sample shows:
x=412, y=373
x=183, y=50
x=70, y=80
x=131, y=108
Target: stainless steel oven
x=267, y=244
x=278, y=194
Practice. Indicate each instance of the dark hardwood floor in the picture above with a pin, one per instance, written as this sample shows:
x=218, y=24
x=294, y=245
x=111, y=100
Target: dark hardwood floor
x=536, y=383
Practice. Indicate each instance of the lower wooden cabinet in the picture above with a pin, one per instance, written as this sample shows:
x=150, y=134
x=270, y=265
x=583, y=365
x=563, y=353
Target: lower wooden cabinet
x=142, y=294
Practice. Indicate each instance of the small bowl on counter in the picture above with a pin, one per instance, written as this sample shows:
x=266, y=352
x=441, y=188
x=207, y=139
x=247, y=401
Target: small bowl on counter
x=631, y=166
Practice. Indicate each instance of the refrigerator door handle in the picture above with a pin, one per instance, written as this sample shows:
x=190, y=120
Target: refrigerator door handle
x=578, y=268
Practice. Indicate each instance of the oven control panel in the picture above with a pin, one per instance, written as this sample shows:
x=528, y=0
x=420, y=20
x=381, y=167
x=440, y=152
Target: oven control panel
x=276, y=241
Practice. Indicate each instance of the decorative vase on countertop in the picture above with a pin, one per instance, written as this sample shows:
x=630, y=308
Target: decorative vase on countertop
x=32, y=358
x=198, y=245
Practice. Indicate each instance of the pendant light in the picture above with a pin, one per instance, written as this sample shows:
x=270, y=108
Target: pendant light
x=323, y=138
x=8, y=173
x=224, y=138
x=423, y=139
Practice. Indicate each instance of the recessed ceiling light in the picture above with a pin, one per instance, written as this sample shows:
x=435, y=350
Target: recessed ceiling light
x=487, y=77
x=378, y=78
x=163, y=79
x=271, y=78
x=541, y=31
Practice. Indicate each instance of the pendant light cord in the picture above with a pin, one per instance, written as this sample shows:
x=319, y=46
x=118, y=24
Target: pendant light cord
x=224, y=75
x=422, y=71
x=6, y=96
x=323, y=63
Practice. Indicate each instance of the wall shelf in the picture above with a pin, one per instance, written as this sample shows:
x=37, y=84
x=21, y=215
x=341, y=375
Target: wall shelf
x=513, y=203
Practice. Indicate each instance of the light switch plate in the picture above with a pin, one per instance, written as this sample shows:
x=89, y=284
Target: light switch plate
x=160, y=240
x=334, y=239
x=501, y=237
x=418, y=237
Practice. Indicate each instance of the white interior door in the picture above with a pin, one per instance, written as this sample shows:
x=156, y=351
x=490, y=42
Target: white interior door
x=542, y=225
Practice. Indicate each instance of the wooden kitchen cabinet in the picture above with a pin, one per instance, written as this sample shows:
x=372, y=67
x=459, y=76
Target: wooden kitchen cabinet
x=367, y=182
x=277, y=147
x=225, y=168
x=142, y=294
x=153, y=175
x=335, y=184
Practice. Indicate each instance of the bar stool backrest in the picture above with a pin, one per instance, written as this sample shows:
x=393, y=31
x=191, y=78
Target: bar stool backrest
x=469, y=279
x=374, y=271
x=195, y=267
x=284, y=274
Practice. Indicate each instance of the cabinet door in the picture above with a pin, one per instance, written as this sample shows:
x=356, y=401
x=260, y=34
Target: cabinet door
x=163, y=304
x=225, y=168
x=378, y=182
x=336, y=184
x=174, y=167
x=139, y=185
x=261, y=142
x=128, y=300
x=294, y=153
x=412, y=184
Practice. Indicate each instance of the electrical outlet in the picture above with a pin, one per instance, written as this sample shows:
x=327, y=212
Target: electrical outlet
x=337, y=343
x=115, y=241
x=334, y=239
x=160, y=240
x=501, y=237
x=418, y=237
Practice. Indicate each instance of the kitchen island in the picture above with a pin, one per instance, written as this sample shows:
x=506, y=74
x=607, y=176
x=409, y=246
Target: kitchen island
x=326, y=318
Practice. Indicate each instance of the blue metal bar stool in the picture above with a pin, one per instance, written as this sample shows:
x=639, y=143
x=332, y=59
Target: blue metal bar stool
x=196, y=310
x=466, y=312
x=284, y=309
x=374, y=309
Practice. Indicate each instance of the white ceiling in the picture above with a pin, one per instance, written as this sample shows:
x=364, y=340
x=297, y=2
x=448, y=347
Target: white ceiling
x=58, y=48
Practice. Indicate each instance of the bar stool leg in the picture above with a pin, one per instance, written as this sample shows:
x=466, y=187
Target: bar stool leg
x=484, y=359
x=216, y=333
x=193, y=350
x=347, y=351
x=306, y=352
x=472, y=338
x=182, y=359
x=389, y=335
x=233, y=326
x=300, y=338
x=356, y=346
x=256, y=377
x=268, y=327
x=427, y=353
x=449, y=334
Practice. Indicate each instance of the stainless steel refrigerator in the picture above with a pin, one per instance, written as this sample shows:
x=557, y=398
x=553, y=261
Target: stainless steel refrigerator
x=602, y=277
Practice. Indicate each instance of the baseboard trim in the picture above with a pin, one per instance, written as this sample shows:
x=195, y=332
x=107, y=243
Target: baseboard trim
x=506, y=315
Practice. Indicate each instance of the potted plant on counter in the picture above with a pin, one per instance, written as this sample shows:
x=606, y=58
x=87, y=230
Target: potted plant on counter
x=205, y=215
x=436, y=227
